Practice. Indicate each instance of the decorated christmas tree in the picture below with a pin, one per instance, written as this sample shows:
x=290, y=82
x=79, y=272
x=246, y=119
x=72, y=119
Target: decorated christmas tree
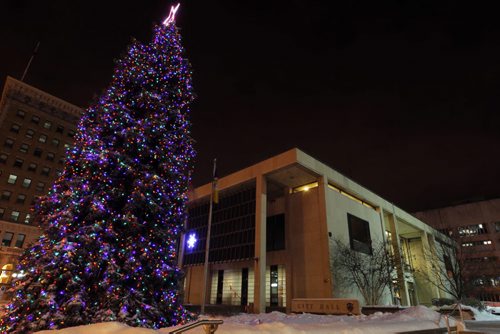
x=112, y=220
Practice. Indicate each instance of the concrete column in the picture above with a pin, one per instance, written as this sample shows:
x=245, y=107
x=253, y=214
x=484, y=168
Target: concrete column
x=383, y=225
x=396, y=245
x=324, y=209
x=429, y=250
x=260, y=245
x=289, y=259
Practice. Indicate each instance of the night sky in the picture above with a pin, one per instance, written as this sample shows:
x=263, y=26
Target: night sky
x=400, y=96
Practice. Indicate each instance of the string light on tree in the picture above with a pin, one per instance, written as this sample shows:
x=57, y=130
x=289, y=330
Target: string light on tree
x=112, y=220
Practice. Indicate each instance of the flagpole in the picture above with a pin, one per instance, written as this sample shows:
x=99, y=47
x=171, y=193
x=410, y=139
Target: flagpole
x=207, y=244
x=35, y=51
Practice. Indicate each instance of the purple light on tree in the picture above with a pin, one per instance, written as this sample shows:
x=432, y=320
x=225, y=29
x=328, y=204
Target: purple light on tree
x=112, y=220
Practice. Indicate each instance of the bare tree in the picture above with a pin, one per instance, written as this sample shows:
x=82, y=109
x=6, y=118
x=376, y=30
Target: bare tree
x=370, y=273
x=447, y=270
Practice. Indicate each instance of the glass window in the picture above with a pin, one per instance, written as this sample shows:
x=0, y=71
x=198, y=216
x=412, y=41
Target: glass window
x=15, y=128
x=359, y=234
x=497, y=226
x=45, y=171
x=21, y=198
x=2, y=211
x=47, y=124
x=35, y=119
x=55, y=142
x=37, y=152
x=3, y=158
x=30, y=133
x=20, y=240
x=18, y=163
x=24, y=148
x=27, y=219
x=14, y=216
x=234, y=236
x=42, y=139
x=9, y=142
x=61, y=160
x=470, y=230
x=26, y=183
x=51, y=156
x=7, y=238
x=71, y=133
x=274, y=285
x=32, y=167
x=476, y=243
x=12, y=179
x=275, y=232
x=40, y=186
x=60, y=129
x=20, y=113
x=6, y=195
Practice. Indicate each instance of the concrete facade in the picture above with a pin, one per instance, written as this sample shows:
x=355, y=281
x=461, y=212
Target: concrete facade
x=36, y=130
x=316, y=203
x=476, y=228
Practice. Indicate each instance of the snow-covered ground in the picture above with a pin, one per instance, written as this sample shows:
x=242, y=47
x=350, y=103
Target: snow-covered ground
x=412, y=318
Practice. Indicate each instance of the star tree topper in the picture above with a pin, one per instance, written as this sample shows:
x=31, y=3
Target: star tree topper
x=171, y=16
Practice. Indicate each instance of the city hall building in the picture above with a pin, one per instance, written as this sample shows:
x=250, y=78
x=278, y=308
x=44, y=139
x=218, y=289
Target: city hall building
x=273, y=232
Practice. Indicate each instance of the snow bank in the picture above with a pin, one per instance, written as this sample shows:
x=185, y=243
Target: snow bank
x=412, y=318
x=484, y=315
x=102, y=328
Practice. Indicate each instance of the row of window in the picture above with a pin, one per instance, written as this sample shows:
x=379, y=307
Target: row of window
x=9, y=236
x=12, y=179
x=24, y=148
x=492, y=297
x=19, y=163
x=476, y=243
x=481, y=259
x=486, y=281
x=470, y=230
x=21, y=198
x=46, y=124
x=350, y=196
x=40, y=186
x=9, y=143
x=15, y=216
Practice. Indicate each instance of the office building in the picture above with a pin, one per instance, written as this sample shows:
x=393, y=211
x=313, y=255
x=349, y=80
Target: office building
x=476, y=228
x=36, y=129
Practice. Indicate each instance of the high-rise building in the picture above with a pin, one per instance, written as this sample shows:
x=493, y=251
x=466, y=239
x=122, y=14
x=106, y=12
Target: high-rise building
x=476, y=228
x=35, y=130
